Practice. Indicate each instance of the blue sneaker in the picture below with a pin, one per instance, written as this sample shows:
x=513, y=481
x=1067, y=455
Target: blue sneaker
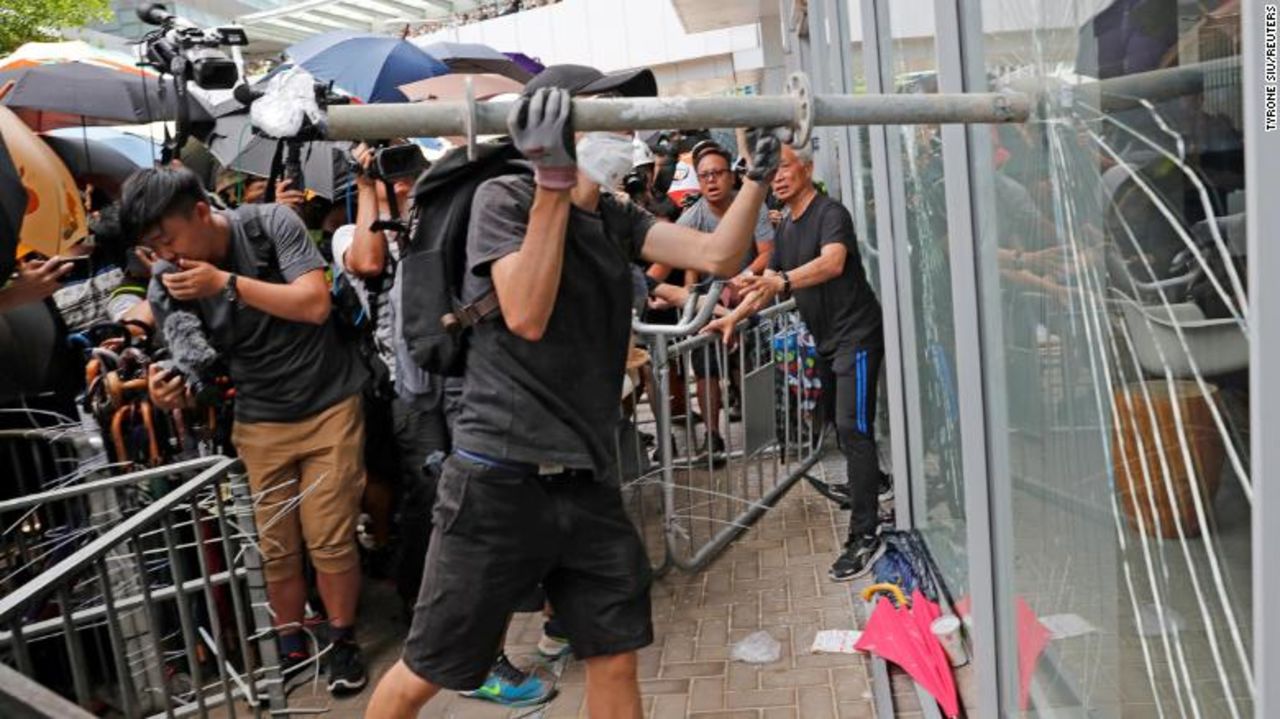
x=511, y=687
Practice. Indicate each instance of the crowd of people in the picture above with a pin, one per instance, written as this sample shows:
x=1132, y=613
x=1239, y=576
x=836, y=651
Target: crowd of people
x=492, y=491
x=481, y=12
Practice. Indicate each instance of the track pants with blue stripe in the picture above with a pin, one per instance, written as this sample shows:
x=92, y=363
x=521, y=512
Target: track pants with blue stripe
x=849, y=383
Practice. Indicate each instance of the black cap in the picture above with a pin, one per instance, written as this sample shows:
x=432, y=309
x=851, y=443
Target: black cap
x=584, y=80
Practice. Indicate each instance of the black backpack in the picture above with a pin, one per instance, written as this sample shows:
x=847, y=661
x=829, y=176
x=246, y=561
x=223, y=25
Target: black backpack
x=433, y=263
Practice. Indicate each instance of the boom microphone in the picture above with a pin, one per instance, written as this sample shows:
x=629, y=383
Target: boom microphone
x=155, y=14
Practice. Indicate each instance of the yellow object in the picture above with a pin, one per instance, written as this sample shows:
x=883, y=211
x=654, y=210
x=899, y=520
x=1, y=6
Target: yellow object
x=893, y=589
x=54, y=218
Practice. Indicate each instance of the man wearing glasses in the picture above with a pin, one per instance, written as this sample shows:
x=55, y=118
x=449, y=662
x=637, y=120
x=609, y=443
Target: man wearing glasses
x=712, y=164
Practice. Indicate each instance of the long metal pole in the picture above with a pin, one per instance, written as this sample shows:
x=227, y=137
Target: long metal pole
x=429, y=119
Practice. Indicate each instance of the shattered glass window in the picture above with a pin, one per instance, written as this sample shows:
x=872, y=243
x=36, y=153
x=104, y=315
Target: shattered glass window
x=1119, y=266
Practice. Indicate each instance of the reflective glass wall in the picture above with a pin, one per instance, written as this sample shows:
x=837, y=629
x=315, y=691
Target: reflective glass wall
x=1114, y=349
x=924, y=279
x=1116, y=306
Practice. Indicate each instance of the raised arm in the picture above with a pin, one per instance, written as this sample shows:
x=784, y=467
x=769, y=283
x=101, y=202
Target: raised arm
x=717, y=253
x=367, y=255
x=720, y=252
x=528, y=279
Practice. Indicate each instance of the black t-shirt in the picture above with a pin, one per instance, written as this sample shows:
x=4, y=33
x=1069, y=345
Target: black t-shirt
x=555, y=401
x=842, y=312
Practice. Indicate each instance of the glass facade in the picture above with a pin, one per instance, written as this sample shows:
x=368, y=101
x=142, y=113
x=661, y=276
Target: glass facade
x=1110, y=278
x=1118, y=263
x=926, y=315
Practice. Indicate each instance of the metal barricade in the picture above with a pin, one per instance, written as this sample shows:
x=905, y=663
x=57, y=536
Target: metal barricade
x=160, y=610
x=772, y=434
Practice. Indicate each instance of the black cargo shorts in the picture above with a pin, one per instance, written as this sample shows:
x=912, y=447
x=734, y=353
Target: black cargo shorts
x=500, y=530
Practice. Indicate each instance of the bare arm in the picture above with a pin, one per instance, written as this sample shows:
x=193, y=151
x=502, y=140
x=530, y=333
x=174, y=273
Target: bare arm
x=367, y=255
x=306, y=299
x=528, y=279
x=658, y=271
x=715, y=253
x=826, y=266
x=764, y=250
x=726, y=325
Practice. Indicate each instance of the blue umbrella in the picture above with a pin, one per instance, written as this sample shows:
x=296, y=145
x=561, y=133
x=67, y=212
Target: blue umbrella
x=371, y=67
x=141, y=151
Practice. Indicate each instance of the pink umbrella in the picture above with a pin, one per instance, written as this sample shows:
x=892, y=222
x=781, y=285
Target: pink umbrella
x=1032, y=639
x=902, y=636
x=453, y=87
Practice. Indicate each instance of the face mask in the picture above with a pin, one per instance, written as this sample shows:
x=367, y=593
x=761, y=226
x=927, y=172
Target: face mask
x=605, y=157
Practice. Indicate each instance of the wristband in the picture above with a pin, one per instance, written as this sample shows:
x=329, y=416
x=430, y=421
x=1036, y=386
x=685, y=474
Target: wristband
x=556, y=178
x=786, y=284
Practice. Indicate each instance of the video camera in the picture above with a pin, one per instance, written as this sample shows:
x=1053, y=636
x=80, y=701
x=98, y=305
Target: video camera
x=189, y=52
x=636, y=183
x=393, y=162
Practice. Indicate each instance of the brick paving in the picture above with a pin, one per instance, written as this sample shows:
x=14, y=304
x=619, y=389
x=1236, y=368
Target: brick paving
x=773, y=578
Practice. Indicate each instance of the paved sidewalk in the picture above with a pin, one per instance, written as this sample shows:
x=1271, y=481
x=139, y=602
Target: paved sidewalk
x=772, y=578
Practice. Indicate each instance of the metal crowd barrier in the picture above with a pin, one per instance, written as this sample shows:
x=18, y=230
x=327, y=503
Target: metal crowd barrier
x=689, y=504
x=162, y=612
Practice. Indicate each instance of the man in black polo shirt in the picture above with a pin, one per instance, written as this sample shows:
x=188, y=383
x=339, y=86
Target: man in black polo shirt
x=527, y=496
x=816, y=259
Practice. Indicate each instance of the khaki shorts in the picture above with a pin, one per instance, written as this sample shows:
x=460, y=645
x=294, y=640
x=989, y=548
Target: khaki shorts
x=307, y=478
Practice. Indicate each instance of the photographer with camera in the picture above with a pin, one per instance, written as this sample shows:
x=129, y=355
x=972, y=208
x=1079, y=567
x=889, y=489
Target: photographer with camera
x=258, y=286
x=409, y=426
x=641, y=184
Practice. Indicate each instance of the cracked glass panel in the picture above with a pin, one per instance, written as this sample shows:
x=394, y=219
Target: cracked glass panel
x=1115, y=267
x=924, y=285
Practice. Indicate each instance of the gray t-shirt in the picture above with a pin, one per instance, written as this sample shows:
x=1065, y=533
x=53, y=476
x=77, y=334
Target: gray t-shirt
x=700, y=217
x=283, y=371
x=555, y=401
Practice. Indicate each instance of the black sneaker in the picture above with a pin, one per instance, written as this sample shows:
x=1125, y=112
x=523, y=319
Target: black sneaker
x=346, y=667
x=713, y=448
x=886, y=488
x=857, y=558
x=296, y=669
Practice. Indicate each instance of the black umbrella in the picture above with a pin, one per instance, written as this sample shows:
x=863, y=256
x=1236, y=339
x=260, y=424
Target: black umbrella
x=13, y=205
x=67, y=94
x=92, y=160
x=235, y=144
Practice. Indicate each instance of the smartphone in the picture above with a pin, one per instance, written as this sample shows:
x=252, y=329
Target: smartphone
x=168, y=374
x=82, y=269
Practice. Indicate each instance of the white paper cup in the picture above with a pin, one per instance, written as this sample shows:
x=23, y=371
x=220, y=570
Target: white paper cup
x=947, y=629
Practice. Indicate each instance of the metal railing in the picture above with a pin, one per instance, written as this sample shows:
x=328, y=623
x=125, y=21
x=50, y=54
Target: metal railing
x=161, y=613
x=767, y=416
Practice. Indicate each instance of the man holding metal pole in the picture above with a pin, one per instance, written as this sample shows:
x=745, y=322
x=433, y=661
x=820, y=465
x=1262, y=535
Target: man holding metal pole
x=816, y=260
x=527, y=495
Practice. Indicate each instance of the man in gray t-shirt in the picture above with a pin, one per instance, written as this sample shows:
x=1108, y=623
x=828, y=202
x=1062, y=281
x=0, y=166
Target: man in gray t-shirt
x=258, y=286
x=715, y=180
